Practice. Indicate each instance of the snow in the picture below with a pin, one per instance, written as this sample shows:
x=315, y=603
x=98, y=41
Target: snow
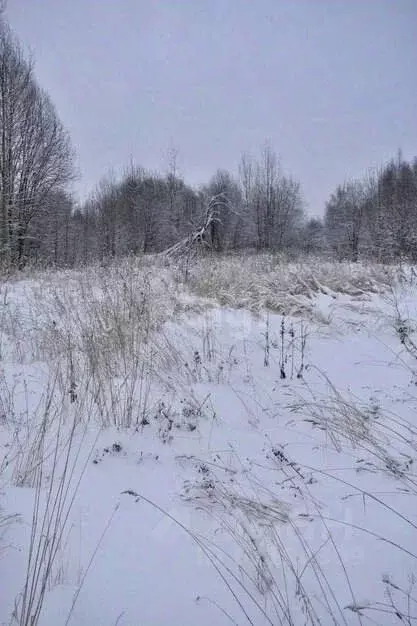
x=235, y=495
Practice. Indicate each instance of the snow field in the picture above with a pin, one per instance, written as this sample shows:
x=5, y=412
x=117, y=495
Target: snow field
x=236, y=448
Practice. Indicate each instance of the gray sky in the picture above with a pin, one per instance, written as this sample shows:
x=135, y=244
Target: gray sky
x=331, y=84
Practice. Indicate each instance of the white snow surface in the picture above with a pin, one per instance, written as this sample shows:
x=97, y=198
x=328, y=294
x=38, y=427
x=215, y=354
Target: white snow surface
x=235, y=496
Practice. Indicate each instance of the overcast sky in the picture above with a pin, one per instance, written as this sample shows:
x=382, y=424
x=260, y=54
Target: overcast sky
x=330, y=84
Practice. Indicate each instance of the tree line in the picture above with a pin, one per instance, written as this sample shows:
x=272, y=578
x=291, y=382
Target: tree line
x=142, y=212
x=376, y=216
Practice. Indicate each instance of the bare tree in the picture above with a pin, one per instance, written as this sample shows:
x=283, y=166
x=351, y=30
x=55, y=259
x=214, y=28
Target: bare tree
x=36, y=158
x=201, y=238
x=272, y=202
x=173, y=183
x=344, y=219
x=224, y=231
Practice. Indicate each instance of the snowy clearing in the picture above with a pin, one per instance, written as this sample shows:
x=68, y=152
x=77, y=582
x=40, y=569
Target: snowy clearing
x=239, y=448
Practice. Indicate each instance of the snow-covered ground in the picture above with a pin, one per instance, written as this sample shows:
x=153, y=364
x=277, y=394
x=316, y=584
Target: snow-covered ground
x=172, y=459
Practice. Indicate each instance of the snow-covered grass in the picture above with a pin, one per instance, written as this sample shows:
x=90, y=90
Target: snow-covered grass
x=233, y=445
x=263, y=281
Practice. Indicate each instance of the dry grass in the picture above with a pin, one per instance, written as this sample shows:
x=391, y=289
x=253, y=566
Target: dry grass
x=267, y=282
x=102, y=333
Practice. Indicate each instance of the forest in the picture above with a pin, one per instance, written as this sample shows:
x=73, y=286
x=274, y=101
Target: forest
x=138, y=211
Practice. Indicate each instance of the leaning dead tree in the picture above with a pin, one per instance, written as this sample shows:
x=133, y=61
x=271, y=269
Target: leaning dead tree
x=206, y=235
